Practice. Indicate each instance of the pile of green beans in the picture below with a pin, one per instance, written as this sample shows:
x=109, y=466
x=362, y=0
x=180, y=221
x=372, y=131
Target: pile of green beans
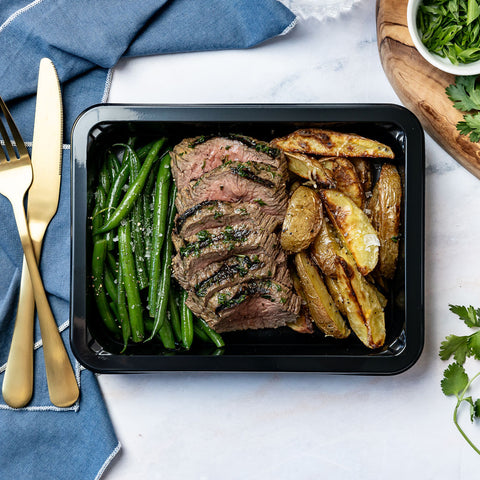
x=132, y=222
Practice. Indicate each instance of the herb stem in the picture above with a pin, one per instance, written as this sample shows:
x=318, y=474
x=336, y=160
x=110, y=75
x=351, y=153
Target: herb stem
x=460, y=399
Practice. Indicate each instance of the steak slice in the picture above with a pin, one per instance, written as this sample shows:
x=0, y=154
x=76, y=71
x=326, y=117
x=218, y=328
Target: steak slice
x=193, y=157
x=237, y=182
x=239, y=240
x=215, y=213
x=240, y=268
x=223, y=233
x=254, y=304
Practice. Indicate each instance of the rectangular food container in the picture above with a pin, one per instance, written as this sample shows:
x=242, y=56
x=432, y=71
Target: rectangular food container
x=261, y=350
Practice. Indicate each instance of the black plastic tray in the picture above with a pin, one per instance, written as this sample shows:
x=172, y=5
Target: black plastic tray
x=263, y=350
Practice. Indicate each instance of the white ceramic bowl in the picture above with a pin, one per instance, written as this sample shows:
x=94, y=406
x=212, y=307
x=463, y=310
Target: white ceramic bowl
x=441, y=63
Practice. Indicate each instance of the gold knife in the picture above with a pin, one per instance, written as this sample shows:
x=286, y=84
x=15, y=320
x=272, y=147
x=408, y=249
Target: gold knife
x=42, y=205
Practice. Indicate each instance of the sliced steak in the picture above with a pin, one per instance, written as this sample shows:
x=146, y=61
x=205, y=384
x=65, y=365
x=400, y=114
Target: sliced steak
x=215, y=213
x=236, y=182
x=193, y=157
x=256, y=303
x=241, y=268
x=263, y=223
x=240, y=240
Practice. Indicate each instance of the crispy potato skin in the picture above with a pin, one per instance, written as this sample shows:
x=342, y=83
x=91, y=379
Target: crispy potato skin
x=320, y=304
x=315, y=141
x=354, y=229
x=346, y=179
x=303, y=220
x=364, y=172
x=303, y=323
x=325, y=250
x=363, y=309
x=385, y=209
x=309, y=168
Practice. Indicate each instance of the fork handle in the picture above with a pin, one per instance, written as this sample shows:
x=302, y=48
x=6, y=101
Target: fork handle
x=62, y=384
x=17, y=385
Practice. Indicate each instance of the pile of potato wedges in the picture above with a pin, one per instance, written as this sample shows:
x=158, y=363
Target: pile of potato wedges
x=342, y=230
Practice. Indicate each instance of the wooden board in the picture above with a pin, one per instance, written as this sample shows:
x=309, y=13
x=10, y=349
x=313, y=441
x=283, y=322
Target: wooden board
x=420, y=86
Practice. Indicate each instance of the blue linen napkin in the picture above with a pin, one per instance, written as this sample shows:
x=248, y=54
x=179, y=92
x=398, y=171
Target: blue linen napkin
x=85, y=39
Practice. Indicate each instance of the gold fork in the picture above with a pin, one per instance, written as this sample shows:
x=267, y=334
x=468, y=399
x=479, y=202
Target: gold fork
x=15, y=179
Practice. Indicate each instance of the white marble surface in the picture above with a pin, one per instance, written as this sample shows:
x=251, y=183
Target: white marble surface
x=305, y=426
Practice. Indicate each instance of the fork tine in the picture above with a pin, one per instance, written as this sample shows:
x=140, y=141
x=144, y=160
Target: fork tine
x=8, y=144
x=22, y=149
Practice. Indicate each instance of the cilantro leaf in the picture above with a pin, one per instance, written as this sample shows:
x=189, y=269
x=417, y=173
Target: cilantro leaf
x=470, y=125
x=477, y=408
x=454, y=380
x=456, y=346
x=463, y=94
x=474, y=345
x=469, y=315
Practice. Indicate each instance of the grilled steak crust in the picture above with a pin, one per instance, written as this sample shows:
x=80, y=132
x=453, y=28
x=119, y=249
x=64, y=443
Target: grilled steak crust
x=231, y=200
x=237, y=182
x=215, y=213
x=255, y=303
x=199, y=255
x=193, y=157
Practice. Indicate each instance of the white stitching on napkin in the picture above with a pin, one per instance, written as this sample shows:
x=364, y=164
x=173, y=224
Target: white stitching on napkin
x=39, y=343
x=65, y=146
x=108, y=84
x=14, y=15
x=108, y=460
x=50, y=408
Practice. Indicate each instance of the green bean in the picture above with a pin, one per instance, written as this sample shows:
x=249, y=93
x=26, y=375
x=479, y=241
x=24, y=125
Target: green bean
x=147, y=206
x=187, y=321
x=123, y=316
x=165, y=278
x=143, y=152
x=112, y=262
x=98, y=260
x=104, y=178
x=134, y=190
x=212, y=334
x=114, y=197
x=98, y=210
x=136, y=217
x=174, y=315
x=166, y=335
x=110, y=285
x=129, y=278
x=199, y=333
x=161, y=206
x=113, y=166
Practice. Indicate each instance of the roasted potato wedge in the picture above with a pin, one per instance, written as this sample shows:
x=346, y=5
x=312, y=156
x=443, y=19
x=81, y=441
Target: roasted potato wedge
x=309, y=168
x=363, y=309
x=364, y=172
x=315, y=141
x=325, y=249
x=353, y=295
x=354, y=229
x=346, y=179
x=303, y=323
x=384, y=209
x=320, y=304
x=303, y=220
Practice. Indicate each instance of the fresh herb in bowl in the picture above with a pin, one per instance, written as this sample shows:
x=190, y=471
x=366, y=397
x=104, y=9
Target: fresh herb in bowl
x=465, y=95
x=455, y=378
x=449, y=29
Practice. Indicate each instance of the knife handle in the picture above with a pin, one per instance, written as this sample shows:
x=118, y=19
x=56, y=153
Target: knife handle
x=62, y=384
x=17, y=386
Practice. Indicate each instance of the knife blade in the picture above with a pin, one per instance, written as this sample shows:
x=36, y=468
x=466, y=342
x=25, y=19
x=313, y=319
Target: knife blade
x=43, y=197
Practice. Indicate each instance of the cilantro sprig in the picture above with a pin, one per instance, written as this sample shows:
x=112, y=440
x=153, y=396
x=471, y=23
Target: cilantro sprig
x=455, y=378
x=465, y=95
x=449, y=29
